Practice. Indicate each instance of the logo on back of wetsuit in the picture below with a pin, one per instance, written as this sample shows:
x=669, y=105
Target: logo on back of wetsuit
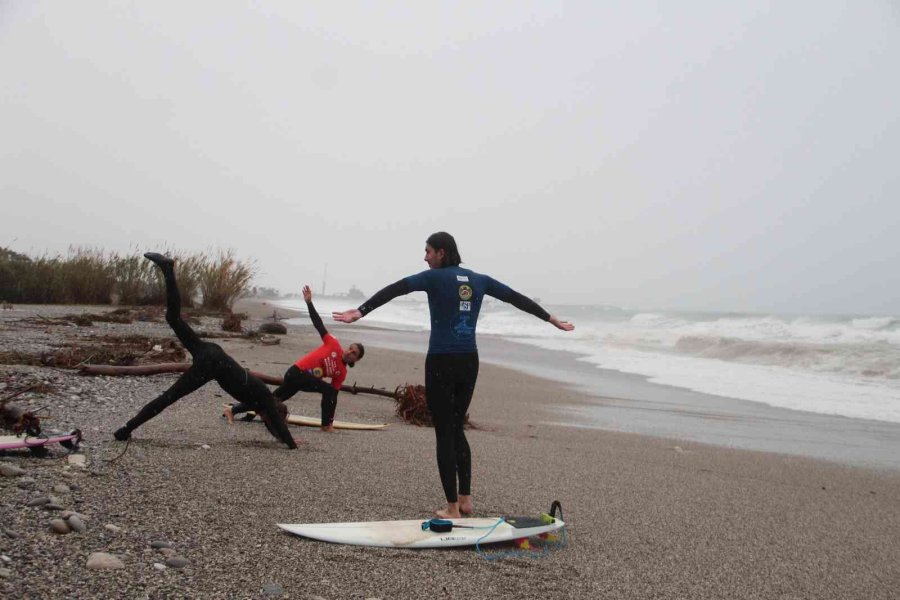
x=462, y=328
x=465, y=292
x=317, y=372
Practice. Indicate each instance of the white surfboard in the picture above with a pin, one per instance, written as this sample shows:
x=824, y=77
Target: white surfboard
x=317, y=422
x=409, y=534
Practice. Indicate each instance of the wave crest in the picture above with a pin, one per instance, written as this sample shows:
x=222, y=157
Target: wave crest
x=877, y=360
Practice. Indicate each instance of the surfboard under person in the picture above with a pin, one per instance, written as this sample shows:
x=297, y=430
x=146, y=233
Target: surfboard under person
x=451, y=366
x=327, y=361
x=210, y=362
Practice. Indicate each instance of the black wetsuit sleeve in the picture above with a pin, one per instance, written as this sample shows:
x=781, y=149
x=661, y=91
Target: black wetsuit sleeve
x=385, y=295
x=316, y=320
x=520, y=301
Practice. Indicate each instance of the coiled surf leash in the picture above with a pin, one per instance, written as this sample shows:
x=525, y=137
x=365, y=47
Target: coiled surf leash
x=121, y=454
x=548, y=541
x=551, y=540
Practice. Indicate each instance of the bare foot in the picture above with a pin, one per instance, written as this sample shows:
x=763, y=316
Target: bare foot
x=466, y=507
x=451, y=512
x=328, y=429
x=229, y=416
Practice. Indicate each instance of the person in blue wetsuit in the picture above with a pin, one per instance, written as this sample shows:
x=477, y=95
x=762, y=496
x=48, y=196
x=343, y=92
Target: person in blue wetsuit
x=451, y=366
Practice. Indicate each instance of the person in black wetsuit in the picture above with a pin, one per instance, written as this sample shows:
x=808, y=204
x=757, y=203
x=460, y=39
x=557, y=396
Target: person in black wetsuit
x=451, y=366
x=210, y=362
x=328, y=360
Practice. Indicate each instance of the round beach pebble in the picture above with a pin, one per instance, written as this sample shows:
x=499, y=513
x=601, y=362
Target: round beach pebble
x=76, y=523
x=176, y=562
x=112, y=528
x=61, y=488
x=5, y=573
x=276, y=328
x=272, y=590
x=38, y=501
x=159, y=566
x=168, y=551
x=160, y=544
x=11, y=470
x=25, y=483
x=104, y=560
x=59, y=526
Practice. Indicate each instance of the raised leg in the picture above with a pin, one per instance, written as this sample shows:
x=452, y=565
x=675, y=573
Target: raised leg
x=189, y=339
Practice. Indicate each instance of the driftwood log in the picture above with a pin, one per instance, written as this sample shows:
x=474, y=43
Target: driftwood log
x=156, y=369
x=412, y=405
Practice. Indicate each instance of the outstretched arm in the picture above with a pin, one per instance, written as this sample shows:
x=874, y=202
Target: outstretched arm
x=524, y=303
x=383, y=296
x=313, y=313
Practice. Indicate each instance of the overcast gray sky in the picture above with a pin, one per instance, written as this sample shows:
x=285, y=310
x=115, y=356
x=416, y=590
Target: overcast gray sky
x=703, y=155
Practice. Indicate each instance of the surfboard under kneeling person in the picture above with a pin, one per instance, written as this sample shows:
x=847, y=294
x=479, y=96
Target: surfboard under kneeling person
x=327, y=361
x=210, y=362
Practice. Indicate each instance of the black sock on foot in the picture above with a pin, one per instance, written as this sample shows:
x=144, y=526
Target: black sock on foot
x=122, y=434
x=159, y=259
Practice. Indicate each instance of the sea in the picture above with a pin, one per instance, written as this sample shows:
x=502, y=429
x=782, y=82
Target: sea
x=847, y=365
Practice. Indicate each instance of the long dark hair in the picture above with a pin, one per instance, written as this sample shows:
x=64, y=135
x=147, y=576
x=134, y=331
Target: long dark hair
x=444, y=241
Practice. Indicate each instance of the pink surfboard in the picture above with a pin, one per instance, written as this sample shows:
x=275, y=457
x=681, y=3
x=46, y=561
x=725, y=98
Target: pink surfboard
x=12, y=442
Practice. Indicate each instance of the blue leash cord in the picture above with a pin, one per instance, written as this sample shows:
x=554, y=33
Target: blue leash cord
x=545, y=546
x=446, y=525
x=481, y=552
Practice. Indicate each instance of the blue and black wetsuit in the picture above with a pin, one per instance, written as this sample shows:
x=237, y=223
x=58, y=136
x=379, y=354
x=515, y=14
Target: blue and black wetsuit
x=209, y=362
x=451, y=367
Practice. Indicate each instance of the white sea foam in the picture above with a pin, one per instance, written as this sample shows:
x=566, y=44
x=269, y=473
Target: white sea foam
x=836, y=365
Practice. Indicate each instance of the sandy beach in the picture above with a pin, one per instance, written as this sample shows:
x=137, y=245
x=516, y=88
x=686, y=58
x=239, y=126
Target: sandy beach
x=648, y=516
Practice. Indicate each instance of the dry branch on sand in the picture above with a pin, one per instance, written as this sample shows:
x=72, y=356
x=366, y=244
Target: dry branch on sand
x=232, y=322
x=111, y=350
x=16, y=418
x=412, y=404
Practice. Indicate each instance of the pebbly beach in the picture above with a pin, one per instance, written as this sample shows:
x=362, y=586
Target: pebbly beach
x=189, y=507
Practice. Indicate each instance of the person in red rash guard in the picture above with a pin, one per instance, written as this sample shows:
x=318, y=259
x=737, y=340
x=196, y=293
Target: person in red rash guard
x=327, y=361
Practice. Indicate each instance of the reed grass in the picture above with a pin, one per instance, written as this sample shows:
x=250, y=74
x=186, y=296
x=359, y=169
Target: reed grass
x=224, y=279
x=91, y=276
